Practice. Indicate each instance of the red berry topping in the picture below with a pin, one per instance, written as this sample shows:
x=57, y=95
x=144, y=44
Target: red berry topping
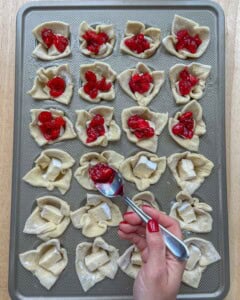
x=140, y=83
x=57, y=86
x=49, y=38
x=138, y=43
x=50, y=127
x=93, y=86
x=95, y=40
x=185, y=126
x=140, y=127
x=188, y=42
x=101, y=173
x=187, y=82
x=95, y=128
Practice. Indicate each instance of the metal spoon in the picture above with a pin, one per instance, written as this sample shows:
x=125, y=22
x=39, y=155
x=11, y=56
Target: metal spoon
x=115, y=188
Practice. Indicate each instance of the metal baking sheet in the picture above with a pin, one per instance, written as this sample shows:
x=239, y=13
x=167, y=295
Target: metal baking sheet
x=215, y=280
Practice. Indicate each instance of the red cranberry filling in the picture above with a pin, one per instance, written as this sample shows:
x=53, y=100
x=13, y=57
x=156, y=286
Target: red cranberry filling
x=95, y=40
x=185, y=126
x=101, y=173
x=187, y=82
x=140, y=83
x=57, y=86
x=49, y=39
x=138, y=43
x=95, y=128
x=186, y=41
x=50, y=127
x=140, y=127
x=93, y=86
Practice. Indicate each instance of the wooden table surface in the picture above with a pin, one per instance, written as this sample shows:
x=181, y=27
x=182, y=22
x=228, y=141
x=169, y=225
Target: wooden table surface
x=8, y=11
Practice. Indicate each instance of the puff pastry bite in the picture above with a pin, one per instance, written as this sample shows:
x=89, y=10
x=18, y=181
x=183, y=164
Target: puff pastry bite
x=141, y=83
x=98, y=41
x=187, y=126
x=189, y=170
x=143, y=126
x=96, y=127
x=145, y=198
x=202, y=254
x=188, y=82
x=96, y=215
x=95, y=261
x=140, y=41
x=97, y=82
x=50, y=126
x=46, y=262
x=53, y=83
x=52, y=170
x=130, y=261
x=188, y=39
x=93, y=163
x=53, y=40
x=49, y=219
x=143, y=169
x=191, y=214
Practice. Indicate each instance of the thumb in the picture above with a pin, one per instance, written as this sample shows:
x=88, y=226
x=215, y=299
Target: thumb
x=156, y=246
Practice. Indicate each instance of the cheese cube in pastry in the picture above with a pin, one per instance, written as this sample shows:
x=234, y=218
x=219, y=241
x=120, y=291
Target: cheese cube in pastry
x=136, y=259
x=186, y=169
x=53, y=170
x=194, y=256
x=186, y=212
x=51, y=214
x=50, y=257
x=95, y=260
x=144, y=168
x=101, y=212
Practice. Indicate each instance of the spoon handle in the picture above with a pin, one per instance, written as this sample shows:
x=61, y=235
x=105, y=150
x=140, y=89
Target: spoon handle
x=175, y=245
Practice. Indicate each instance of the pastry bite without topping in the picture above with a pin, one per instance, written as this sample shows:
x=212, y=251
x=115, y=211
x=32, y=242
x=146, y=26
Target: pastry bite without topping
x=143, y=169
x=187, y=126
x=52, y=170
x=96, y=127
x=191, y=214
x=188, y=82
x=140, y=41
x=141, y=83
x=53, y=40
x=96, y=215
x=130, y=262
x=202, y=253
x=46, y=262
x=143, y=126
x=96, y=41
x=49, y=219
x=189, y=170
x=97, y=82
x=188, y=39
x=95, y=262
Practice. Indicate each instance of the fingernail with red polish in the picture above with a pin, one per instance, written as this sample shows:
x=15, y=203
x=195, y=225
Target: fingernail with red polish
x=153, y=226
x=123, y=222
x=128, y=213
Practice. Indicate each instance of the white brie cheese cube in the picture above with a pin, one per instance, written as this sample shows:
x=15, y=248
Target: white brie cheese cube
x=51, y=214
x=95, y=260
x=186, y=212
x=186, y=169
x=101, y=212
x=136, y=259
x=49, y=258
x=144, y=168
x=194, y=256
x=53, y=170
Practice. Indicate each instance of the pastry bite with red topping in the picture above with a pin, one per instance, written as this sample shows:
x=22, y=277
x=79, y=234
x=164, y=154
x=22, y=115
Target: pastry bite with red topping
x=188, y=39
x=49, y=126
x=139, y=40
x=53, y=40
x=97, y=167
x=96, y=41
x=187, y=126
x=97, y=127
x=53, y=83
x=141, y=83
x=188, y=82
x=97, y=82
x=143, y=126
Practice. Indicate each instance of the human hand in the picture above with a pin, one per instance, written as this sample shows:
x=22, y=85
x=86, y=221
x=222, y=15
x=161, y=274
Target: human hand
x=160, y=275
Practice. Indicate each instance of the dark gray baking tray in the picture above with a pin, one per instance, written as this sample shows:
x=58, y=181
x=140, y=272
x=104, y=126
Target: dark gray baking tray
x=215, y=280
